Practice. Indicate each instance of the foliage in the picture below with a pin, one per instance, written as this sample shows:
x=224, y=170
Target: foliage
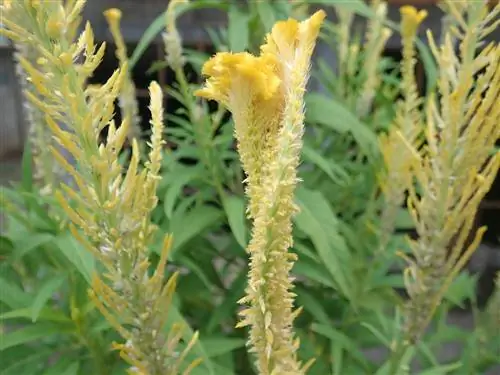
x=347, y=274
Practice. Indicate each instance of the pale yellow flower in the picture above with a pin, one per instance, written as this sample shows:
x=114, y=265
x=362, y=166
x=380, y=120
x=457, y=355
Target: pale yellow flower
x=265, y=94
x=411, y=19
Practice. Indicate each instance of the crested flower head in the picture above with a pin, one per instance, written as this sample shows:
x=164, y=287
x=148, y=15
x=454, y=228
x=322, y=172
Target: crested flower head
x=410, y=20
x=290, y=37
x=234, y=76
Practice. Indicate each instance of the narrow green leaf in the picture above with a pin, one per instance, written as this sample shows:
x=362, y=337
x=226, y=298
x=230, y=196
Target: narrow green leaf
x=216, y=346
x=44, y=314
x=226, y=308
x=30, y=333
x=405, y=360
x=77, y=255
x=339, y=338
x=442, y=370
x=336, y=173
x=312, y=305
x=191, y=224
x=266, y=14
x=313, y=271
x=174, y=191
x=332, y=114
x=19, y=366
x=319, y=222
x=45, y=293
x=64, y=366
x=235, y=212
x=237, y=28
x=30, y=242
x=430, y=67
x=12, y=295
x=404, y=220
x=378, y=334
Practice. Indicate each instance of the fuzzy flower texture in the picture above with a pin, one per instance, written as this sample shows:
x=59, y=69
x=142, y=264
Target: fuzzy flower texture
x=265, y=95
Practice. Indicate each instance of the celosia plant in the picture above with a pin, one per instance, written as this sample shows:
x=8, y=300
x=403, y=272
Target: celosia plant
x=110, y=209
x=265, y=96
x=407, y=128
x=455, y=168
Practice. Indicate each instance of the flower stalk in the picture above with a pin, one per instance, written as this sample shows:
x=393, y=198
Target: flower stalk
x=128, y=96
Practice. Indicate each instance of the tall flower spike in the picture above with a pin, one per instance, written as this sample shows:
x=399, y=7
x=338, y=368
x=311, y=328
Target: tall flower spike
x=406, y=128
x=265, y=96
x=456, y=167
x=111, y=206
x=128, y=96
x=171, y=37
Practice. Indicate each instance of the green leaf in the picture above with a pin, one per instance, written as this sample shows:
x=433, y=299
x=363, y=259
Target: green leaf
x=266, y=14
x=336, y=173
x=45, y=293
x=226, y=308
x=44, y=314
x=216, y=346
x=30, y=333
x=198, y=270
x=339, y=338
x=174, y=191
x=235, y=211
x=237, y=28
x=431, y=70
x=378, y=334
x=404, y=220
x=405, y=360
x=319, y=222
x=313, y=271
x=30, y=242
x=6, y=247
x=461, y=289
x=332, y=114
x=18, y=367
x=191, y=224
x=64, y=366
x=356, y=6
x=442, y=370
x=12, y=295
x=312, y=305
x=77, y=255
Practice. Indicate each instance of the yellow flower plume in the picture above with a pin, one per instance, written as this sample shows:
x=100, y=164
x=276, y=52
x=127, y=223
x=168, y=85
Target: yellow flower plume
x=265, y=95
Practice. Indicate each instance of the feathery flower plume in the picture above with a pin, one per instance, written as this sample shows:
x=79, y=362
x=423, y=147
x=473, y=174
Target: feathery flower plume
x=128, y=97
x=110, y=210
x=265, y=96
x=406, y=128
